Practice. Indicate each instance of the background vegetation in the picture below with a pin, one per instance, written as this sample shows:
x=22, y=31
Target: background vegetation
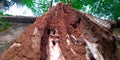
x=4, y=24
x=107, y=9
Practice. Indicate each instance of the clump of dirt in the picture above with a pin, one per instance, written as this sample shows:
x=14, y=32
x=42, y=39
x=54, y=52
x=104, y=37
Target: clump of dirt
x=64, y=30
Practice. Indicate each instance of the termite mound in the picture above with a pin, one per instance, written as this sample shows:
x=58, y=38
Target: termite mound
x=63, y=33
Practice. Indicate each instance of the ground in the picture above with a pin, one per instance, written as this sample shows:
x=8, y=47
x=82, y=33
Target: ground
x=12, y=33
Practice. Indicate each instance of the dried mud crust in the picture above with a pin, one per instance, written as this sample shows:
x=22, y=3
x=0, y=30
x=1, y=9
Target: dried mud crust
x=33, y=43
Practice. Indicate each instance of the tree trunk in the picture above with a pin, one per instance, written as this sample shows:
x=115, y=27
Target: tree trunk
x=19, y=19
x=63, y=33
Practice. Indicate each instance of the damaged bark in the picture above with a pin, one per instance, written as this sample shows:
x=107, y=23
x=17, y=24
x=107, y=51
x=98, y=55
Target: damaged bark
x=63, y=33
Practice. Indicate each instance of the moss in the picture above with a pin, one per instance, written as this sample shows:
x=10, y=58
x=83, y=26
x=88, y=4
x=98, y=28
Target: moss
x=4, y=25
x=3, y=46
x=4, y=28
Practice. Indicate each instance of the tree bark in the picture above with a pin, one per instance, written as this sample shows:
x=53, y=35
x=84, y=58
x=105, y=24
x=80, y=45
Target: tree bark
x=19, y=19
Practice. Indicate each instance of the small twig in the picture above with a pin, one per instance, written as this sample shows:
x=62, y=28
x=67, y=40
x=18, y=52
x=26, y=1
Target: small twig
x=74, y=39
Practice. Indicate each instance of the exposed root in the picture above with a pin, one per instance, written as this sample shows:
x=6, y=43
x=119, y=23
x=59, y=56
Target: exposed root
x=15, y=44
x=35, y=38
x=93, y=48
x=68, y=39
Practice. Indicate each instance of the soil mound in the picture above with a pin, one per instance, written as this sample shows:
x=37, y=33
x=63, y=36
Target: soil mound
x=63, y=33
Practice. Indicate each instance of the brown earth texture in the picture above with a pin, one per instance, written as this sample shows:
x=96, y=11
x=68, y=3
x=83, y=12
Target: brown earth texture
x=62, y=33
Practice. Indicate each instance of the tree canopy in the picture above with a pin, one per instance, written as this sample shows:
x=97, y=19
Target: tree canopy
x=107, y=9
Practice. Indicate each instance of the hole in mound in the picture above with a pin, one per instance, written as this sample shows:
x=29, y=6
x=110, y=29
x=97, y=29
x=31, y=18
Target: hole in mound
x=48, y=31
x=76, y=23
x=58, y=37
x=53, y=42
x=54, y=31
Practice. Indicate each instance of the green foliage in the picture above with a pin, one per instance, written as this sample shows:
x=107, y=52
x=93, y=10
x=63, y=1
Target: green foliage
x=4, y=25
x=1, y=13
x=37, y=6
x=28, y=3
x=109, y=9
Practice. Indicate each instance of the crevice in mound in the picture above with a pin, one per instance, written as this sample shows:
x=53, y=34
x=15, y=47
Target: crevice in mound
x=54, y=50
x=53, y=42
x=75, y=25
x=44, y=43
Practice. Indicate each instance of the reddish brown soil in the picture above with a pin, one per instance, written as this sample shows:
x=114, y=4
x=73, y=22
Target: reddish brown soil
x=67, y=21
